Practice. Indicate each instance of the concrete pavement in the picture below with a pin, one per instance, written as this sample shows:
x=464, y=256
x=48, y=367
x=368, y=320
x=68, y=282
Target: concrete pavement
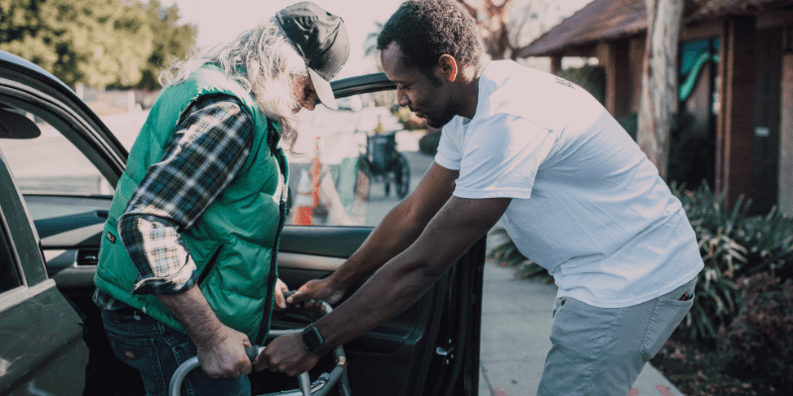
x=516, y=330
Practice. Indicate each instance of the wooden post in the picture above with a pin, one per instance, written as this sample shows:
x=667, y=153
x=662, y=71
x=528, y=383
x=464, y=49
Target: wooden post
x=785, y=198
x=736, y=117
x=556, y=64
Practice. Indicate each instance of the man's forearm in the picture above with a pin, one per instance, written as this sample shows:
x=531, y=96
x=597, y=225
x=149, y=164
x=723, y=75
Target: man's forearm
x=401, y=227
x=194, y=313
x=393, y=235
x=411, y=273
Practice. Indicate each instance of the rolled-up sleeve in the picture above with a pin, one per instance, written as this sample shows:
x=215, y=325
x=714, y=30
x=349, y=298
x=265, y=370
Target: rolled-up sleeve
x=204, y=155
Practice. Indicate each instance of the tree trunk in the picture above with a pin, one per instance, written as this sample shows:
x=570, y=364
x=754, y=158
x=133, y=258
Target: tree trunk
x=659, y=80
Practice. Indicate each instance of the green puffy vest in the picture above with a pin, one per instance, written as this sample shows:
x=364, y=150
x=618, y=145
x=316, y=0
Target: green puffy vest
x=235, y=242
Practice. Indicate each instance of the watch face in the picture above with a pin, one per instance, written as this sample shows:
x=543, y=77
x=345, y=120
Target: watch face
x=313, y=341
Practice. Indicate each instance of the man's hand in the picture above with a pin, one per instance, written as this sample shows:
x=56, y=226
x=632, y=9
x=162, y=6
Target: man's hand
x=287, y=354
x=314, y=291
x=220, y=349
x=280, y=301
x=225, y=355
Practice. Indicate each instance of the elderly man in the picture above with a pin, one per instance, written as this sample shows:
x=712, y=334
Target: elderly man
x=187, y=261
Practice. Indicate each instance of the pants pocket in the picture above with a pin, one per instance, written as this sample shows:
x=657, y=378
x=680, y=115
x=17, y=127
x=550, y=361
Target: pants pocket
x=667, y=314
x=143, y=355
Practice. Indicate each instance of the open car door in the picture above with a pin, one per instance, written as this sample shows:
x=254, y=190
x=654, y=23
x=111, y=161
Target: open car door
x=68, y=174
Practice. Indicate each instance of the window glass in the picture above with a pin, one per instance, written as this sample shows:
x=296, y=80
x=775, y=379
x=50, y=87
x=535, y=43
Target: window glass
x=9, y=278
x=352, y=165
x=50, y=164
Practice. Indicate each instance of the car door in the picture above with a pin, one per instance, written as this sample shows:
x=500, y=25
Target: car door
x=42, y=351
x=431, y=348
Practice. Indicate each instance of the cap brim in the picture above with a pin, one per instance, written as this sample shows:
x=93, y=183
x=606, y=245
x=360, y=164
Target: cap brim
x=323, y=89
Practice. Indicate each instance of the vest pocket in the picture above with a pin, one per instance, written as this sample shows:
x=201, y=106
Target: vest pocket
x=209, y=265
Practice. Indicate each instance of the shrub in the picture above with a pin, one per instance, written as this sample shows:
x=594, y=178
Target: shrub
x=428, y=144
x=759, y=342
x=591, y=78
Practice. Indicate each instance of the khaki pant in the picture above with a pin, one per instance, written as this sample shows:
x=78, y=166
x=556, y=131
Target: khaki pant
x=600, y=351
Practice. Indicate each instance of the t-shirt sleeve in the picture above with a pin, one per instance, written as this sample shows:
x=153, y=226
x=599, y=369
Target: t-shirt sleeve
x=448, y=154
x=501, y=158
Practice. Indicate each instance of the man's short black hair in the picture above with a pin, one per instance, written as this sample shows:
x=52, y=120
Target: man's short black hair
x=427, y=29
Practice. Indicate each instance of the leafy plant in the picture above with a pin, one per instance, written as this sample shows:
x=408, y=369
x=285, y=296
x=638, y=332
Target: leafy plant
x=428, y=144
x=759, y=342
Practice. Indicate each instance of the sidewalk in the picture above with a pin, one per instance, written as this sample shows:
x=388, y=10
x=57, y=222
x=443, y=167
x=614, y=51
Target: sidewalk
x=516, y=329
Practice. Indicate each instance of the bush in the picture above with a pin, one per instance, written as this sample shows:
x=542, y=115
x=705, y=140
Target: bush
x=759, y=342
x=428, y=144
x=591, y=78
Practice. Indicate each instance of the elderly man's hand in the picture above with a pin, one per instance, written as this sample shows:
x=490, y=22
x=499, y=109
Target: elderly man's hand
x=225, y=356
x=280, y=300
x=287, y=354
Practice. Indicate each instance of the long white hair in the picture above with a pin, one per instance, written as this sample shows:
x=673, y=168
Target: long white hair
x=264, y=62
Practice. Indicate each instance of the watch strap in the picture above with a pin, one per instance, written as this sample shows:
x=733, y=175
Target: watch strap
x=313, y=340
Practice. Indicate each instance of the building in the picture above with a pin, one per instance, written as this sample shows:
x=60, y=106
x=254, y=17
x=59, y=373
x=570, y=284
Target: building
x=736, y=78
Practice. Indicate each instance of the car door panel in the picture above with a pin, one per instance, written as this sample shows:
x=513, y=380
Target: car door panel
x=43, y=332
x=42, y=351
x=396, y=357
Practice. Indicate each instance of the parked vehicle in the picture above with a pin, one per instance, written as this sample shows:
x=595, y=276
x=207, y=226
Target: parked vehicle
x=51, y=218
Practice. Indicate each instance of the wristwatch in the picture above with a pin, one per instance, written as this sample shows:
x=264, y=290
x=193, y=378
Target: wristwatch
x=313, y=340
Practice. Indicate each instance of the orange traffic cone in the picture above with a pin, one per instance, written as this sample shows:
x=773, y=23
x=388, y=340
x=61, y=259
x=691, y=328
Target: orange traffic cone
x=304, y=208
x=316, y=171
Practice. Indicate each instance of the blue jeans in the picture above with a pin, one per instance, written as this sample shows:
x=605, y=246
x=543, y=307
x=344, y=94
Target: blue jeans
x=156, y=350
x=600, y=351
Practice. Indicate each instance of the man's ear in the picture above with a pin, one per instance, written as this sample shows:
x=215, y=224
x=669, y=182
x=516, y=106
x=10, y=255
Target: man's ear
x=447, y=68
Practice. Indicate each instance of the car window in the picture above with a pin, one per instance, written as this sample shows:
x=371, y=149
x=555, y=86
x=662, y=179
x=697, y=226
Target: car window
x=51, y=164
x=352, y=165
x=9, y=275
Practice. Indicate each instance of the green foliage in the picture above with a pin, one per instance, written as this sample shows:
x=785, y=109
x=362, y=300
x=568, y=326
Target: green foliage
x=428, y=144
x=171, y=41
x=95, y=42
x=591, y=78
x=758, y=344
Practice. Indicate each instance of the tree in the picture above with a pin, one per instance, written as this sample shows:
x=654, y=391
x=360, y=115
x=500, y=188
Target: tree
x=501, y=28
x=171, y=40
x=94, y=42
x=659, y=80
x=370, y=43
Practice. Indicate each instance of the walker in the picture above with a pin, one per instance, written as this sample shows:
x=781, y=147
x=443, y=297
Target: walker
x=320, y=387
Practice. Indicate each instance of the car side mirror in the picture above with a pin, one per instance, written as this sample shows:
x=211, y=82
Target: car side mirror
x=16, y=126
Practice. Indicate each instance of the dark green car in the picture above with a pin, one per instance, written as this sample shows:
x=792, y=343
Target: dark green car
x=59, y=164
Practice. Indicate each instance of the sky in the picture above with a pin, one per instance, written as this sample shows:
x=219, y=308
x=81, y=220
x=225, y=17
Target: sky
x=221, y=20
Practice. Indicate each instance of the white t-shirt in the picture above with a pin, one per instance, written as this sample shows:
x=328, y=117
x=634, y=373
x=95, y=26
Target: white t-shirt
x=587, y=204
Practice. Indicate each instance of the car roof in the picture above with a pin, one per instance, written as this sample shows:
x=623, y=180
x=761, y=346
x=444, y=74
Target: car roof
x=11, y=61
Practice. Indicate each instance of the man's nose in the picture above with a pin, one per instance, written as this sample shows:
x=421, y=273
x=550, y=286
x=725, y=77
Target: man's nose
x=402, y=99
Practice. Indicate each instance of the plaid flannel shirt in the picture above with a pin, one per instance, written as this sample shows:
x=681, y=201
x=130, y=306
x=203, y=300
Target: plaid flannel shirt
x=211, y=143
